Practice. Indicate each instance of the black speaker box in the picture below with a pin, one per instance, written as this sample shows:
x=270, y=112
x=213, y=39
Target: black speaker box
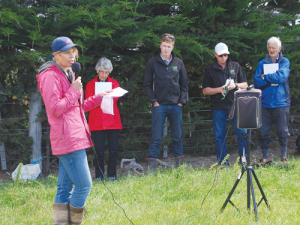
x=248, y=108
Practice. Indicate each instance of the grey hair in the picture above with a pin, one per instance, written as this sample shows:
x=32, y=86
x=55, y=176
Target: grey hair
x=105, y=63
x=276, y=40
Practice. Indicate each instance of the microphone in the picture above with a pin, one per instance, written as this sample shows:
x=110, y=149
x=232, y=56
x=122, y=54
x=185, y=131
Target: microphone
x=76, y=67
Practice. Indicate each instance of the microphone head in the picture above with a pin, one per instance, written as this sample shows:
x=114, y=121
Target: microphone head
x=76, y=67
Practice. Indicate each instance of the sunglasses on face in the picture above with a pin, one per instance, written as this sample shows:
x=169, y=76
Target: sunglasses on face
x=171, y=37
x=224, y=55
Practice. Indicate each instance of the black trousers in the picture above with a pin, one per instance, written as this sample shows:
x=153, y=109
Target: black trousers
x=99, y=142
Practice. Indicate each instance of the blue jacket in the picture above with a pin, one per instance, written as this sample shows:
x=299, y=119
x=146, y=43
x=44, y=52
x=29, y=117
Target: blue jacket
x=275, y=86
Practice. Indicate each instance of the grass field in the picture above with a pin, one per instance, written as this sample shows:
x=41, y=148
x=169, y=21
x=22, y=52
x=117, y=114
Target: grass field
x=168, y=197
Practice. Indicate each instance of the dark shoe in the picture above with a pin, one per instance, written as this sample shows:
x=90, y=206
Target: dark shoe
x=225, y=166
x=60, y=213
x=265, y=161
x=99, y=178
x=76, y=215
x=151, y=164
x=179, y=161
x=284, y=159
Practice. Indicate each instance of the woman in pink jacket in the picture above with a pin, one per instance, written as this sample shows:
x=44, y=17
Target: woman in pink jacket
x=69, y=131
x=104, y=125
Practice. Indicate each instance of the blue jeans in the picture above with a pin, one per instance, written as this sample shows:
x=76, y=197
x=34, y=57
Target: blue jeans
x=219, y=125
x=159, y=114
x=73, y=171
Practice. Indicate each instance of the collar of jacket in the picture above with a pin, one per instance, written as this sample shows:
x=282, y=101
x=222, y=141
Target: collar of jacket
x=269, y=60
x=159, y=59
x=96, y=79
x=49, y=64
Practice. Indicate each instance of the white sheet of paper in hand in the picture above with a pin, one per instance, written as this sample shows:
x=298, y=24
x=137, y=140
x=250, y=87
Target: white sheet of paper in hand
x=271, y=68
x=117, y=92
x=102, y=86
x=107, y=104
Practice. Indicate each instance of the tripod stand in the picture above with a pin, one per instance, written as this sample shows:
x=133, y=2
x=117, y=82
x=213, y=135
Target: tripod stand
x=250, y=172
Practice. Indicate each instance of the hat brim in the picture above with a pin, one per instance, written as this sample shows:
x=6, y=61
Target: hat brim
x=66, y=48
x=223, y=52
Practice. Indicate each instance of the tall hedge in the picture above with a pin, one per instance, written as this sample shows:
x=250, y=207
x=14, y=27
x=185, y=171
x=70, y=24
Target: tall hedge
x=128, y=33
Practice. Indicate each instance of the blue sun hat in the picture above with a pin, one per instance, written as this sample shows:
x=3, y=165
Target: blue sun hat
x=62, y=44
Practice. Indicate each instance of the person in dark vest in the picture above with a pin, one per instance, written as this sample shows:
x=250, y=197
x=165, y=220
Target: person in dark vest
x=224, y=71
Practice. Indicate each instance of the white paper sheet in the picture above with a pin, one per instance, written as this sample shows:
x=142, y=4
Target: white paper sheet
x=271, y=68
x=102, y=86
x=107, y=104
x=117, y=92
x=228, y=81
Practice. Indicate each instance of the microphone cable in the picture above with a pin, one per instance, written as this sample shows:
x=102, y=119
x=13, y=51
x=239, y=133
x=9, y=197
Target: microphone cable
x=76, y=67
x=109, y=189
x=213, y=181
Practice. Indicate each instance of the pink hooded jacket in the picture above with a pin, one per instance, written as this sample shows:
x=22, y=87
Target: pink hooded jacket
x=69, y=130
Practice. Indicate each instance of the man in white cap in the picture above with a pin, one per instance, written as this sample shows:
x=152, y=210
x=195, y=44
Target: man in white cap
x=221, y=80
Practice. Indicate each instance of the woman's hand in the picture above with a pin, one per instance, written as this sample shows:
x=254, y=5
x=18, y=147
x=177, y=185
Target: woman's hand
x=105, y=92
x=77, y=83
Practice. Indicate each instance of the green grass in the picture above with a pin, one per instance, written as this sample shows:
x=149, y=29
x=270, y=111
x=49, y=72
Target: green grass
x=168, y=197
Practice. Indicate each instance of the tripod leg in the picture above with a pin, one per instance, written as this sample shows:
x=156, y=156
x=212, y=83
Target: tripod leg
x=261, y=190
x=232, y=190
x=248, y=191
x=253, y=194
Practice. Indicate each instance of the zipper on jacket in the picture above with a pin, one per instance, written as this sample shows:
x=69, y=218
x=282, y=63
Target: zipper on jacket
x=63, y=127
x=168, y=82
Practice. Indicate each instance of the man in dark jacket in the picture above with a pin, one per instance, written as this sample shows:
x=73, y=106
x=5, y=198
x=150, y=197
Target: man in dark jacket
x=275, y=98
x=224, y=71
x=166, y=86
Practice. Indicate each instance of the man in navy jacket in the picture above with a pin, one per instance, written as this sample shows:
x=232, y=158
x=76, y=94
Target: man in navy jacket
x=275, y=98
x=166, y=86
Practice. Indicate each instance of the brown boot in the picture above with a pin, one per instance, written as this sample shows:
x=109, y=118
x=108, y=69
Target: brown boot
x=179, y=161
x=60, y=213
x=76, y=215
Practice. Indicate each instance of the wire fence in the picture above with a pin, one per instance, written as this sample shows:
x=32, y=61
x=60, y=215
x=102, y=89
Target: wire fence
x=197, y=137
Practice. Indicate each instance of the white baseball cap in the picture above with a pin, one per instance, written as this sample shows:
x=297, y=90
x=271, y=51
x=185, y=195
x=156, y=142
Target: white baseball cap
x=221, y=49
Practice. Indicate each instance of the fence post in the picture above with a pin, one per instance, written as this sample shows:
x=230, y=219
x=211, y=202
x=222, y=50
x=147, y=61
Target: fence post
x=48, y=150
x=3, y=157
x=35, y=127
x=165, y=136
